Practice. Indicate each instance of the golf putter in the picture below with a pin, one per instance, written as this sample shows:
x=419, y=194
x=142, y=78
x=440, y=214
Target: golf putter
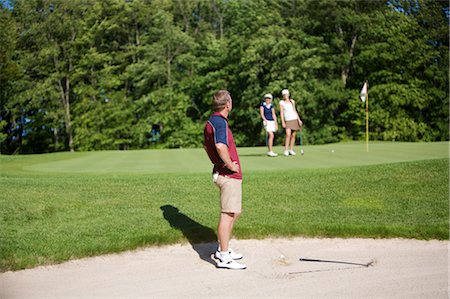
x=301, y=141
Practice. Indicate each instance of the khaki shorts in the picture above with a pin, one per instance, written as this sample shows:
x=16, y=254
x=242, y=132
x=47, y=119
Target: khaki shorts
x=230, y=194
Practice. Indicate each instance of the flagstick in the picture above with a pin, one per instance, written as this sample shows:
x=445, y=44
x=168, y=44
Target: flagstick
x=367, y=118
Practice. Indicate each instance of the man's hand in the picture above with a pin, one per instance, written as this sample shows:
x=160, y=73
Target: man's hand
x=222, y=150
x=234, y=167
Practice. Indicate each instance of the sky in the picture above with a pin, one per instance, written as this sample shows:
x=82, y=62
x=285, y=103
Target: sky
x=6, y=4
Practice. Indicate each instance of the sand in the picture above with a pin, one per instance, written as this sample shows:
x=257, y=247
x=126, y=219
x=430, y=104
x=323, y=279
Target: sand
x=401, y=269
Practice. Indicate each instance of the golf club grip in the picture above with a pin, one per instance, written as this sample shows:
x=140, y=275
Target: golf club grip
x=309, y=260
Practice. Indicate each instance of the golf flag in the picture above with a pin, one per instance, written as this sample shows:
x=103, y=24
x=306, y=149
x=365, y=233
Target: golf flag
x=363, y=94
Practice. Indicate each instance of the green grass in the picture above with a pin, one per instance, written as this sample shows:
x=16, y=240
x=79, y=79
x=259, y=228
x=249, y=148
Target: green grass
x=55, y=207
x=195, y=161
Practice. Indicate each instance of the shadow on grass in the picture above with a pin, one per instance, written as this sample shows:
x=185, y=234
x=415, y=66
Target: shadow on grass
x=202, y=239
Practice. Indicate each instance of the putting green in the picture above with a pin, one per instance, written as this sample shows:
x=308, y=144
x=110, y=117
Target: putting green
x=252, y=159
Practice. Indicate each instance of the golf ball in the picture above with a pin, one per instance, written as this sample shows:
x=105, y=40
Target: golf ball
x=332, y=151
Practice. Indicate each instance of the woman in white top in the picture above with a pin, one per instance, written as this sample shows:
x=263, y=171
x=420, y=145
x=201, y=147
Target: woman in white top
x=290, y=121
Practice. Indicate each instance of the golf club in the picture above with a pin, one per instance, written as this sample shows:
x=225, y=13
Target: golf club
x=301, y=141
x=371, y=263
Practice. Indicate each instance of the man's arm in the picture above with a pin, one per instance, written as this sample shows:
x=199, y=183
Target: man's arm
x=222, y=149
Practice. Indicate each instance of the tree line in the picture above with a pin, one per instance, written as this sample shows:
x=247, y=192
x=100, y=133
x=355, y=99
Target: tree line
x=133, y=74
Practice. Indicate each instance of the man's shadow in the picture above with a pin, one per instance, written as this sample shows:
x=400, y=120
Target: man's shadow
x=202, y=239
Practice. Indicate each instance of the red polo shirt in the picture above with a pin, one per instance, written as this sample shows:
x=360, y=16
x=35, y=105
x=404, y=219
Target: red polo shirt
x=217, y=131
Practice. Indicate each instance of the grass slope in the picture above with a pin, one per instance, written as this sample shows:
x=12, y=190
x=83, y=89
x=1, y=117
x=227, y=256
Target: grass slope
x=253, y=159
x=56, y=207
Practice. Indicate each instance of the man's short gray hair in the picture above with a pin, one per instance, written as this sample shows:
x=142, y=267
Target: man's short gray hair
x=220, y=99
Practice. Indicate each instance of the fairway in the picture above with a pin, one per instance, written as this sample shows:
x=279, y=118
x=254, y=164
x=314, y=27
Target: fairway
x=61, y=206
x=253, y=159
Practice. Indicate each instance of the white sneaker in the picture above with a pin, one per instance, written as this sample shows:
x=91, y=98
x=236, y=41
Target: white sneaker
x=291, y=152
x=230, y=264
x=302, y=152
x=271, y=154
x=286, y=153
x=233, y=255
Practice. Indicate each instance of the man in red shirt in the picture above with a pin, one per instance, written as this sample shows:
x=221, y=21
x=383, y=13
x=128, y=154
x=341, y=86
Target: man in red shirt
x=227, y=175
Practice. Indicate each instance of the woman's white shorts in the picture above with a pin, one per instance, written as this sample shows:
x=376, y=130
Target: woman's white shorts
x=270, y=127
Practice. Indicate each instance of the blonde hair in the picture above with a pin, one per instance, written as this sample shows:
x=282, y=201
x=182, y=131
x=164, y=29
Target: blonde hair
x=220, y=99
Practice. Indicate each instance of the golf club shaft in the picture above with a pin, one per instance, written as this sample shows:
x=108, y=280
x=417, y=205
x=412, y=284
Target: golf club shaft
x=301, y=138
x=334, y=262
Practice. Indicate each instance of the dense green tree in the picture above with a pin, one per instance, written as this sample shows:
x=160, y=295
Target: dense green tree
x=9, y=73
x=47, y=54
x=398, y=56
x=113, y=32
x=129, y=74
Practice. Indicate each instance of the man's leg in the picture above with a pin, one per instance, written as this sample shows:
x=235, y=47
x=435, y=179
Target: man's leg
x=226, y=258
x=230, y=200
x=235, y=217
x=225, y=228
